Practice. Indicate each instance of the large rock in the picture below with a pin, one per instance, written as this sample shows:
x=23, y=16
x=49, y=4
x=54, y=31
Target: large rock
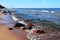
x=1, y=7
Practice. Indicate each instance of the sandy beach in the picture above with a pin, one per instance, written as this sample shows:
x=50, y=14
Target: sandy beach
x=15, y=34
x=9, y=21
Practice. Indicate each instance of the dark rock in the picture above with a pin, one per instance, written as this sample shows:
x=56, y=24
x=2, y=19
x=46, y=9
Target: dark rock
x=24, y=28
x=19, y=25
x=41, y=31
x=30, y=28
x=10, y=28
x=1, y=7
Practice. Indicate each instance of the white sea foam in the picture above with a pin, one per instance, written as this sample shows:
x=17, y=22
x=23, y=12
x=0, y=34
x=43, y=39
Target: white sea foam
x=52, y=12
x=16, y=19
x=44, y=11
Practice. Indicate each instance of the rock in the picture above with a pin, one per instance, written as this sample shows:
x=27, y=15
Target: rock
x=1, y=7
x=19, y=25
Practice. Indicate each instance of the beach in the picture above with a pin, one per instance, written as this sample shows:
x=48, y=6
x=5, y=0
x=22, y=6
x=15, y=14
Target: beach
x=5, y=33
x=15, y=34
x=33, y=20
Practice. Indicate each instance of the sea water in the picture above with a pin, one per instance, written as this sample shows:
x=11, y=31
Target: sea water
x=49, y=14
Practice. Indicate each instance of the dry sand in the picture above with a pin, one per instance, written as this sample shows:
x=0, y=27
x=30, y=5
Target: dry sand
x=14, y=34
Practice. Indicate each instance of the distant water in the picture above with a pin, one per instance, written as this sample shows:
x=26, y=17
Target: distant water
x=49, y=14
x=51, y=9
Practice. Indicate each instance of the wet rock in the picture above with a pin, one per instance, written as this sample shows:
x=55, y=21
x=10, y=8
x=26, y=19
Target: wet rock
x=19, y=25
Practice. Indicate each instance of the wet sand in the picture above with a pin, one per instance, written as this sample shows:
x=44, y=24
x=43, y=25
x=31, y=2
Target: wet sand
x=15, y=34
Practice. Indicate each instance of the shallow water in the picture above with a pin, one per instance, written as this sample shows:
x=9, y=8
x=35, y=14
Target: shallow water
x=49, y=14
x=46, y=17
